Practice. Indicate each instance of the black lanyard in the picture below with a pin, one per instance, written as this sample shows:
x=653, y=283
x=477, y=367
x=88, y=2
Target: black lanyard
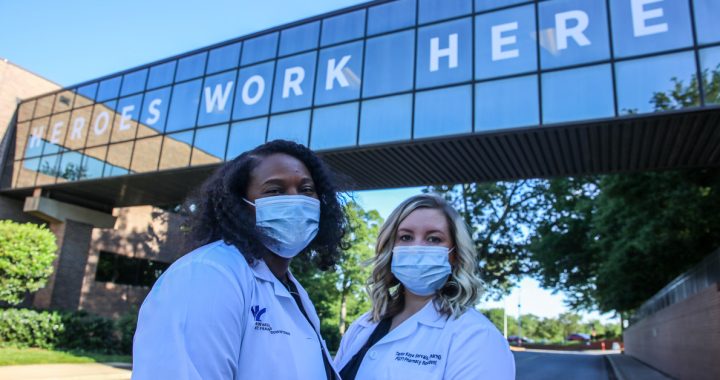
x=351, y=368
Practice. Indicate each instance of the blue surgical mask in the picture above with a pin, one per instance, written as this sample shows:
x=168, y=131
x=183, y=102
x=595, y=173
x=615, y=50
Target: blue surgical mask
x=288, y=222
x=421, y=269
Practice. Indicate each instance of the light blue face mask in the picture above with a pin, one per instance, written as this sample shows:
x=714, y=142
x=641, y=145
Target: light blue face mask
x=288, y=222
x=421, y=269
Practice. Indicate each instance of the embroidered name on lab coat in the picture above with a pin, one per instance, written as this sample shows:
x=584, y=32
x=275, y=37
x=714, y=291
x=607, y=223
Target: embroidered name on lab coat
x=257, y=314
x=417, y=358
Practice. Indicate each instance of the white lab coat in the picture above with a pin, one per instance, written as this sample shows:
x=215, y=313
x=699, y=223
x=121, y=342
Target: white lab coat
x=430, y=346
x=212, y=316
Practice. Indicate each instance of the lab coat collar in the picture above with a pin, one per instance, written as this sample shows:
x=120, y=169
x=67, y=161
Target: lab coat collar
x=262, y=272
x=428, y=316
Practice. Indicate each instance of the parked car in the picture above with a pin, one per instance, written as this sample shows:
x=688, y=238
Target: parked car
x=513, y=340
x=580, y=337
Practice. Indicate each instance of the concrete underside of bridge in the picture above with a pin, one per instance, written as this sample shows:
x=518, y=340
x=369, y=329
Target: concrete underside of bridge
x=670, y=140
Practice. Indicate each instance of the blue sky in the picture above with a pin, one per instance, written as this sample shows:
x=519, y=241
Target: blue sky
x=70, y=42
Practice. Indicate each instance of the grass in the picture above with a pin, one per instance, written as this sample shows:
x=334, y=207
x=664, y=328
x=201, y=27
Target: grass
x=16, y=356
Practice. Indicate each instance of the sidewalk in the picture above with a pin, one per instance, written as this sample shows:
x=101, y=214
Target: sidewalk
x=89, y=371
x=628, y=368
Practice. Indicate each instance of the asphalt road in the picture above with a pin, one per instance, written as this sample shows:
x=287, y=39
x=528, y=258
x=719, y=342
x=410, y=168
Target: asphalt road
x=559, y=366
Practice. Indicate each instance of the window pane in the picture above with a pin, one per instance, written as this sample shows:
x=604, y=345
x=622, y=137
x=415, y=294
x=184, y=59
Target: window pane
x=710, y=61
x=507, y=103
x=391, y=16
x=118, y=159
x=344, y=64
x=109, y=89
x=344, y=27
x=648, y=85
x=290, y=126
x=71, y=168
x=252, y=97
x=28, y=172
x=85, y=95
x=145, y=155
x=154, y=112
x=64, y=101
x=334, y=127
x=578, y=94
x=224, y=58
x=176, y=150
x=386, y=119
x=21, y=136
x=191, y=67
x=483, y=5
x=93, y=162
x=706, y=19
x=210, y=145
x=26, y=110
x=646, y=26
x=246, y=135
x=260, y=49
x=57, y=132
x=443, y=112
x=80, y=125
x=444, y=53
x=100, y=127
x=504, y=42
x=389, y=64
x=49, y=170
x=433, y=10
x=299, y=38
x=44, y=106
x=125, y=125
x=184, y=106
x=294, y=84
x=161, y=75
x=134, y=82
x=38, y=137
x=573, y=32
x=217, y=97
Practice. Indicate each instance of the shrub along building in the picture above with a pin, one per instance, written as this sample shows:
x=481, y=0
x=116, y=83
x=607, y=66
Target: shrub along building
x=390, y=93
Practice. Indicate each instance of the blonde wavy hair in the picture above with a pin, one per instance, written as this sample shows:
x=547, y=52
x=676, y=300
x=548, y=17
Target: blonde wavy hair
x=460, y=292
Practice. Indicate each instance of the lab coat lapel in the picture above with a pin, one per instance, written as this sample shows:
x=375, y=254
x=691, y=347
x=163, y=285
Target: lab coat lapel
x=428, y=316
x=262, y=272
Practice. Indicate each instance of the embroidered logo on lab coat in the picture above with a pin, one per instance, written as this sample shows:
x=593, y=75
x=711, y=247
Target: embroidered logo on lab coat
x=257, y=312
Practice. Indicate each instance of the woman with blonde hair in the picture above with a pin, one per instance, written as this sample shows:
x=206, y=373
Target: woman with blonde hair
x=423, y=289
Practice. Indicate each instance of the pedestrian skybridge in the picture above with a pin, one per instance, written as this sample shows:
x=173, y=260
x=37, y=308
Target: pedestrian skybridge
x=394, y=93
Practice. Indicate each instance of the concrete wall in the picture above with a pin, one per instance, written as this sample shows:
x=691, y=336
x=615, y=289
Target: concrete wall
x=682, y=340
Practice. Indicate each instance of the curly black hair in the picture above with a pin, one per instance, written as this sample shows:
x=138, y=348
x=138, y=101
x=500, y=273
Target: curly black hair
x=218, y=212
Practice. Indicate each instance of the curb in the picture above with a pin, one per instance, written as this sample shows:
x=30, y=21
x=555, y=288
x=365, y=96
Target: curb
x=618, y=375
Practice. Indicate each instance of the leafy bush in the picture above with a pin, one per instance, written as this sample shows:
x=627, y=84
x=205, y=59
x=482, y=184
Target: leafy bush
x=26, y=255
x=29, y=328
x=84, y=331
x=126, y=328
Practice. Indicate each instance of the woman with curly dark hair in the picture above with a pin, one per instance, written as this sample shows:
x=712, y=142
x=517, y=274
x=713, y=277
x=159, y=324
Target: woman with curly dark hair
x=231, y=309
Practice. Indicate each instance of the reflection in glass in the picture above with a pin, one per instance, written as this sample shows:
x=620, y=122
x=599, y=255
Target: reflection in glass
x=344, y=63
x=483, y=5
x=118, y=159
x=21, y=136
x=210, y=145
x=102, y=120
x=37, y=138
x=86, y=95
x=507, y=103
x=28, y=173
x=294, y=84
x=505, y=42
x=44, y=106
x=299, y=38
x=161, y=75
x=184, y=105
x=109, y=89
x=154, y=112
x=252, y=97
x=71, y=168
x=290, y=126
x=190, y=67
x=57, y=131
x=93, y=161
x=259, y=49
x=389, y=64
x=433, y=10
x=48, y=171
x=386, y=119
x=224, y=58
x=64, y=101
x=345, y=27
x=710, y=63
x=641, y=27
x=573, y=32
x=657, y=84
x=444, y=53
x=334, y=127
x=176, y=150
x=246, y=135
x=145, y=155
x=125, y=124
x=26, y=110
x=443, y=112
x=79, y=127
x=134, y=82
x=706, y=20
x=391, y=16
x=217, y=98
x=578, y=94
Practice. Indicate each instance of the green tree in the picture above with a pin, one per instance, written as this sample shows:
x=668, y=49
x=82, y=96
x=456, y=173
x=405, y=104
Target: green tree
x=26, y=255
